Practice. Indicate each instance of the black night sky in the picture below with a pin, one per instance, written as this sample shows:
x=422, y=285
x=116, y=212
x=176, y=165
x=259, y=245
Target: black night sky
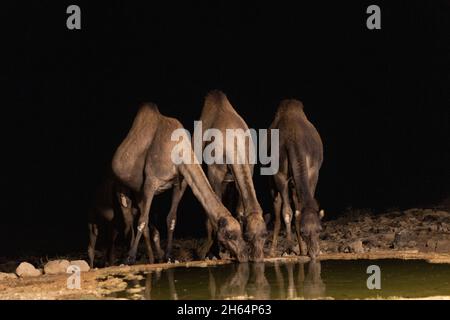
x=379, y=99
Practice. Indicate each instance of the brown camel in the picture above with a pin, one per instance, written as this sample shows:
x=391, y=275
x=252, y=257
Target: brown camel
x=112, y=209
x=220, y=115
x=300, y=158
x=144, y=164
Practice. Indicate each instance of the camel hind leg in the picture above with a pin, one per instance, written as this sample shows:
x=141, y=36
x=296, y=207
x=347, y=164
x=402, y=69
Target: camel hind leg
x=297, y=217
x=144, y=206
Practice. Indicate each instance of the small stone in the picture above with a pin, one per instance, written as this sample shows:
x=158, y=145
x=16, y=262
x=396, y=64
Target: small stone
x=443, y=246
x=26, y=269
x=430, y=245
x=389, y=236
x=356, y=246
x=82, y=264
x=56, y=266
x=412, y=244
x=5, y=276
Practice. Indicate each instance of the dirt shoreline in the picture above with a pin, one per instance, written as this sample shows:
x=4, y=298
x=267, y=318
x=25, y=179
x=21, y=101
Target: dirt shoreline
x=420, y=234
x=98, y=283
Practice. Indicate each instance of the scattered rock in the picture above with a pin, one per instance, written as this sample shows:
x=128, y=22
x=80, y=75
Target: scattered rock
x=443, y=246
x=82, y=264
x=26, y=269
x=401, y=238
x=5, y=276
x=356, y=247
x=430, y=246
x=389, y=237
x=56, y=266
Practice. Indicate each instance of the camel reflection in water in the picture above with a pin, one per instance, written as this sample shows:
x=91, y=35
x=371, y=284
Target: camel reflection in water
x=240, y=281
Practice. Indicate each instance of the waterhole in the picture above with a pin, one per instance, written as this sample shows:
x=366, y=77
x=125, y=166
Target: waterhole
x=331, y=279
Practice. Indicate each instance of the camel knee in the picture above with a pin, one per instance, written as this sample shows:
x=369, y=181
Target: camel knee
x=287, y=216
x=171, y=222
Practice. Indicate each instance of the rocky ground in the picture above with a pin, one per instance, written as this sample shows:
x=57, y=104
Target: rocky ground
x=357, y=234
x=425, y=230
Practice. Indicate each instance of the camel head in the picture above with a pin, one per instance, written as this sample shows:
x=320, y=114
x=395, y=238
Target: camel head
x=229, y=235
x=255, y=234
x=310, y=230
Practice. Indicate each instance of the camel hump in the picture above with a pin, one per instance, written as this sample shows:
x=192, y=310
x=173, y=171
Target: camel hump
x=172, y=123
x=216, y=99
x=216, y=95
x=148, y=108
x=290, y=105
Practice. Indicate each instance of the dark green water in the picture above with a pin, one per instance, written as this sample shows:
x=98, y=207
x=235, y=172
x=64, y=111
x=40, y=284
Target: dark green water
x=343, y=279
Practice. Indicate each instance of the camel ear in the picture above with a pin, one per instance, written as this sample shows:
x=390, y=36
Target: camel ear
x=321, y=214
x=222, y=223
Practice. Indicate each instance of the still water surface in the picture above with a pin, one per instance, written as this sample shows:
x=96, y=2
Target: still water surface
x=343, y=279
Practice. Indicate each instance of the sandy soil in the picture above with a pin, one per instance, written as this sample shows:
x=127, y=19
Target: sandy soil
x=98, y=283
x=413, y=234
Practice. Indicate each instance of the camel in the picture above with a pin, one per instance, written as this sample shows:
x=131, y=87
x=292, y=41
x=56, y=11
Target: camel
x=300, y=158
x=143, y=163
x=113, y=210
x=220, y=115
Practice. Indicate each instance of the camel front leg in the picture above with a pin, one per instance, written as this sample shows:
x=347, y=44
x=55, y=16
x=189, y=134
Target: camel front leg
x=276, y=228
x=206, y=247
x=156, y=242
x=216, y=176
x=178, y=191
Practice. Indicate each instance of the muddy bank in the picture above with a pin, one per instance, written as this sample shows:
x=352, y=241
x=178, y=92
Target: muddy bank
x=358, y=234
x=100, y=283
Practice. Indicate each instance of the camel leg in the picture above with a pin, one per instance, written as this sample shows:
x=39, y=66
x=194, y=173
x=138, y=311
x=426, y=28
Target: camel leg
x=148, y=245
x=283, y=187
x=215, y=177
x=93, y=234
x=209, y=240
x=240, y=211
x=156, y=242
x=178, y=191
x=144, y=206
x=298, y=216
x=127, y=213
x=276, y=228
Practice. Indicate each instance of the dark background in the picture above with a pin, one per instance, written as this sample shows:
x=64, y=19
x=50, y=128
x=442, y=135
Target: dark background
x=379, y=99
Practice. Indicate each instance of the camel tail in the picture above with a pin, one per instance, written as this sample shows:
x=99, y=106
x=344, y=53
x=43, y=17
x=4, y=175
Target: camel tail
x=297, y=165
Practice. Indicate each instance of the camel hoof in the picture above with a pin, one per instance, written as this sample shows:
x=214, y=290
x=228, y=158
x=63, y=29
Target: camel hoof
x=130, y=260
